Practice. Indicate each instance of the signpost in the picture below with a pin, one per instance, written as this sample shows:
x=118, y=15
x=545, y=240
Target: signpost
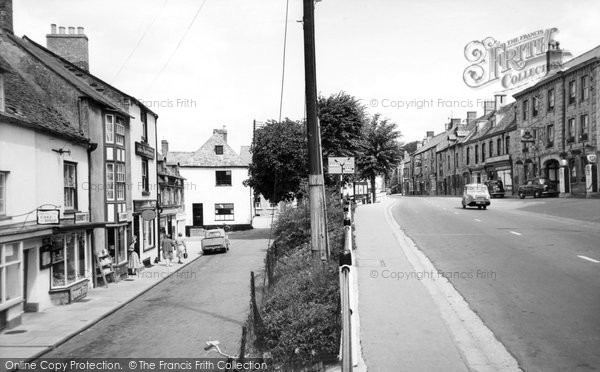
x=340, y=165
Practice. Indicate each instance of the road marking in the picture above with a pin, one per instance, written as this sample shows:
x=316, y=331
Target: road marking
x=589, y=259
x=516, y=233
x=478, y=220
x=455, y=212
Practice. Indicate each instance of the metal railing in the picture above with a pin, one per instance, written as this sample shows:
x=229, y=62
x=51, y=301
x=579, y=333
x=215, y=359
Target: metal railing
x=346, y=287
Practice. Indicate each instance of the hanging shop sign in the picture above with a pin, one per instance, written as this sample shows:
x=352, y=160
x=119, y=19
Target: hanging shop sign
x=48, y=216
x=148, y=214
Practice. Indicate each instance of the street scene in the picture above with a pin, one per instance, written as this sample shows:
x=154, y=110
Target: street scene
x=299, y=185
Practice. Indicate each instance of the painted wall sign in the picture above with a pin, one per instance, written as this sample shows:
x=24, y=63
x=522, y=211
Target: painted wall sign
x=144, y=150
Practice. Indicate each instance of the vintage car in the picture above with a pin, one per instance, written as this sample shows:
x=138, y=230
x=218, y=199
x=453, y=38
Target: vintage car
x=476, y=194
x=538, y=187
x=495, y=188
x=215, y=240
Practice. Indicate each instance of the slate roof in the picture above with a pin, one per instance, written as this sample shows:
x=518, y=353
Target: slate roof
x=246, y=154
x=431, y=143
x=206, y=157
x=27, y=105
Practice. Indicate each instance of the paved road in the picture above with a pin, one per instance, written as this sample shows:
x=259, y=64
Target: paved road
x=517, y=264
x=206, y=300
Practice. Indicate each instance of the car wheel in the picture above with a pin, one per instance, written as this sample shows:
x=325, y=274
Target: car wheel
x=485, y=207
x=521, y=195
x=479, y=207
x=537, y=194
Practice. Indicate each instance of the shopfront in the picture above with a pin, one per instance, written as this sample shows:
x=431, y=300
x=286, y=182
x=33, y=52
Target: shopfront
x=145, y=228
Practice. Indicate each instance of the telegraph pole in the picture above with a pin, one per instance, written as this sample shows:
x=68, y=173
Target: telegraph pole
x=315, y=175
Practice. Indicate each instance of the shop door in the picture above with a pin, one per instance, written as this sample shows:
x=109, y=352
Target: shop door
x=136, y=231
x=197, y=214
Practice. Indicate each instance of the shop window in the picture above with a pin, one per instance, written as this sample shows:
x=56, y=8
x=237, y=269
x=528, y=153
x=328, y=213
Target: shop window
x=223, y=178
x=110, y=128
x=10, y=272
x=550, y=100
x=3, y=176
x=583, y=127
x=224, y=212
x=70, y=185
x=68, y=259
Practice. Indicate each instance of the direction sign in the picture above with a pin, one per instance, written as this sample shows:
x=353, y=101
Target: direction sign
x=340, y=165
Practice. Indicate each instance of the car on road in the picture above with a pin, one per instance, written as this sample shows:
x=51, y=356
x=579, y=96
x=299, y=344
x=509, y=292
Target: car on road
x=538, y=187
x=495, y=188
x=215, y=240
x=476, y=195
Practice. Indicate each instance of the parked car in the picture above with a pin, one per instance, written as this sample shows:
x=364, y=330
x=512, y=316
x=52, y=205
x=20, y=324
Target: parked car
x=476, y=195
x=495, y=188
x=215, y=240
x=538, y=187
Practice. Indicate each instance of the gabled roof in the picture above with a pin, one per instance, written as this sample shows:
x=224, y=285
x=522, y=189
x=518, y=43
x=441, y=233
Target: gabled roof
x=28, y=105
x=433, y=142
x=206, y=156
x=245, y=154
x=57, y=64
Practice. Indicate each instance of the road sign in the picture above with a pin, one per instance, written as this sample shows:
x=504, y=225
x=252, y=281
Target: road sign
x=340, y=165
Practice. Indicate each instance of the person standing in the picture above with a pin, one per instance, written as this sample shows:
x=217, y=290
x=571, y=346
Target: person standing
x=134, y=263
x=181, y=247
x=167, y=249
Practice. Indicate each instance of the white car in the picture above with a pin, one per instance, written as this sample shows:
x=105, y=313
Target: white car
x=476, y=195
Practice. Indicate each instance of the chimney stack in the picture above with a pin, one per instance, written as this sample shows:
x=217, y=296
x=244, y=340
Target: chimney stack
x=471, y=116
x=500, y=100
x=164, y=144
x=72, y=46
x=6, y=16
x=554, y=56
x=222, y=132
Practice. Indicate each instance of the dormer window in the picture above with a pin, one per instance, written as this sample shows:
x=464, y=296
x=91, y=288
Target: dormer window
x=219, y=149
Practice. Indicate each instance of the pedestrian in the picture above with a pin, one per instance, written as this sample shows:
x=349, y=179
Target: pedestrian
x=179, y=242
x=134, y=263
x=167, y=249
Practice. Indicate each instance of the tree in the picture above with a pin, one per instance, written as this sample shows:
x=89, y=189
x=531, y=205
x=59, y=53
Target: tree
x=380, y=150
x=279, y=160
x=342, y=119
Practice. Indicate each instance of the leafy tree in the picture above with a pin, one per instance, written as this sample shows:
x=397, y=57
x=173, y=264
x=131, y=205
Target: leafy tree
x=279, y=160
x=380, y=150
x=342, y=118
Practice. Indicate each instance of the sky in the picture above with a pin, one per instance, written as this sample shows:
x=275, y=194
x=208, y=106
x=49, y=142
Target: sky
x=205, y=64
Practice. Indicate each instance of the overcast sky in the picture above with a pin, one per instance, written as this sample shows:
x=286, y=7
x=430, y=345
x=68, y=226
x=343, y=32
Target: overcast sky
x=226, y=70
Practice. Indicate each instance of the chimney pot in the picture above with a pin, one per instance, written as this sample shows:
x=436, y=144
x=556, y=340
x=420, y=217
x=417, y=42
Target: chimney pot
x=53, y=28
x=164, y=144
x=71, y=30
x=61, y=30
x=80, y=30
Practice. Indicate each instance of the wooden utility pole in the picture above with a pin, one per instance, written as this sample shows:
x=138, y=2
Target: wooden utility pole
x=316, y=190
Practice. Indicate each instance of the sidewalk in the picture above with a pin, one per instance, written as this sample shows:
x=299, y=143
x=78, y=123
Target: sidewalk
x=44, y=330
x=410, y=320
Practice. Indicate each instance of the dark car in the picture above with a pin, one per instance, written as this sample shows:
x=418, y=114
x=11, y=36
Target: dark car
x=495, y=188
x=538, y=187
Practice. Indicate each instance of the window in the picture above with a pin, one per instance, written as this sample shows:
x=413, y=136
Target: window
x=476, y=154
x=120, y=181
x=144, y=119
x=585, y=91
x=491, y=149
x=550, y=135
x=482, y=152
x=525, y=109
x=110, y=125
x=536, y=106
x=116, y=244
x=583, y=127
x=70, y=185
x=499, y=146
x=145, y=178
x=571, y=130
x=550, y=99
x=507, y=145
x=110, y=181
x=219, y=149
x=468, y=155
x=68, y=259
x=120, y=132
x=10, y=272
x=3, y=193
x=571, y=92
x=149, y=234
x=224, y=212
x=223, y=178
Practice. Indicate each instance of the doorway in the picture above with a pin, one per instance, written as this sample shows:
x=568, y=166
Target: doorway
x=197, y=214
